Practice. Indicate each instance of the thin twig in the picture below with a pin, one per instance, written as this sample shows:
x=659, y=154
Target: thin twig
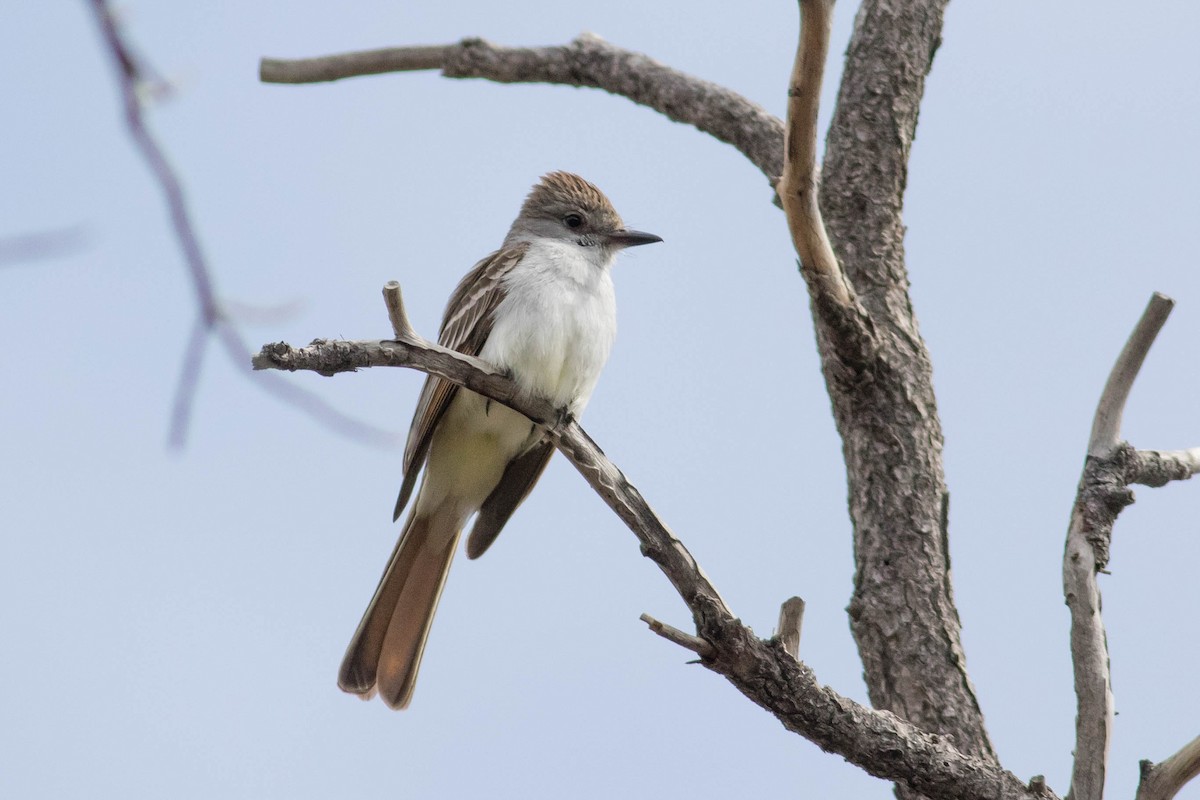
x=685, y=640
x=1103, y=492
x=587, y=61
x=797, y=188
x=1164, y=780
x=210, y=317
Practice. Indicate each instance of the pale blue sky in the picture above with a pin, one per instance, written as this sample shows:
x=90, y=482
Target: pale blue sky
x=174, y=621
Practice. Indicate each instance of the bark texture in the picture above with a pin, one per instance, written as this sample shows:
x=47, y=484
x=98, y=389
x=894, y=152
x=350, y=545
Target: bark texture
x=902, y=613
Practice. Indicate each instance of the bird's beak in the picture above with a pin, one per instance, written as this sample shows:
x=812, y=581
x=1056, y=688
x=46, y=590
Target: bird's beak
x=628, y=238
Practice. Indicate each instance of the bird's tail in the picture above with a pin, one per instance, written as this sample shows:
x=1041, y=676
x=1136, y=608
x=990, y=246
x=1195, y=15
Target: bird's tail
x=385, y=652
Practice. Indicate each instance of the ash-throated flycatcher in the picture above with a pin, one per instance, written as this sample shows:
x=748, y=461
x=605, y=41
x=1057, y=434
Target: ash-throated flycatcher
x=542, y=308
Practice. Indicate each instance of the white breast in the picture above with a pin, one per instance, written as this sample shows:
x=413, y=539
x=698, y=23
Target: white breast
x=556, y=325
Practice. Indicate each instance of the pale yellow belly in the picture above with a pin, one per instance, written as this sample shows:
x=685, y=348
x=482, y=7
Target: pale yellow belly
x=475, y=440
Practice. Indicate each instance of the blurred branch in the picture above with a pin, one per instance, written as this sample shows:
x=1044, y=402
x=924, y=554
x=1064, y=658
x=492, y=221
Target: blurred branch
x=38, y=245
x=255, y=314
x=877, y=741
x=210, y=317
x=1110, y=467
x=587, y=61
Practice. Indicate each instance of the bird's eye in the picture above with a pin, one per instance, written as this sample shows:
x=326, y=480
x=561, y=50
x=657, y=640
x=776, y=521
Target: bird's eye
x=573, y=220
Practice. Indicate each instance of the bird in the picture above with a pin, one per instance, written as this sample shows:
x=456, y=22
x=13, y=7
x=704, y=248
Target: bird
x=542, y=310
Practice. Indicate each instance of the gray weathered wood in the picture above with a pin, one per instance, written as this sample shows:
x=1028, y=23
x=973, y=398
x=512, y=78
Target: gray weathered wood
x=1111, y=465
x=884, y=405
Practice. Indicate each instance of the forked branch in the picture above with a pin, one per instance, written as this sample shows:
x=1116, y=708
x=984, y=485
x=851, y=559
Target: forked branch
x=1110, y=467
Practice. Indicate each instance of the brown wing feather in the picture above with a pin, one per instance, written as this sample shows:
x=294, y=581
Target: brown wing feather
x=514, y=486
x=465, y=327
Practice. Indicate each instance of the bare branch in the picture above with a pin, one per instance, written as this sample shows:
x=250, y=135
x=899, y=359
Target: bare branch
x=685, y=640
x=1159, y=467
x=1089, y=658
x=791, y=615
x=1106, y=425
x=210, y=317
x=1103, y=492
x=1163, y=781
x=587, y=61
x=797, y=187
x=879, y=742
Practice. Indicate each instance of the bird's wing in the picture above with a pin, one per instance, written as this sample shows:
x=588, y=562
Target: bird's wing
x=465, y=327
x=519, y=477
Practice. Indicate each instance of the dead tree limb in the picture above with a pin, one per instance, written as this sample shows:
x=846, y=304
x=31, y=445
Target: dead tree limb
x=879, y=742
x=1111, y=465
x=588, y=61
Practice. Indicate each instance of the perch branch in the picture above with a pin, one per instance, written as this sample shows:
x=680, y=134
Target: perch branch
x=588, y=61
x=1103, y=492
x=1163, y=781
x=879, y=742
